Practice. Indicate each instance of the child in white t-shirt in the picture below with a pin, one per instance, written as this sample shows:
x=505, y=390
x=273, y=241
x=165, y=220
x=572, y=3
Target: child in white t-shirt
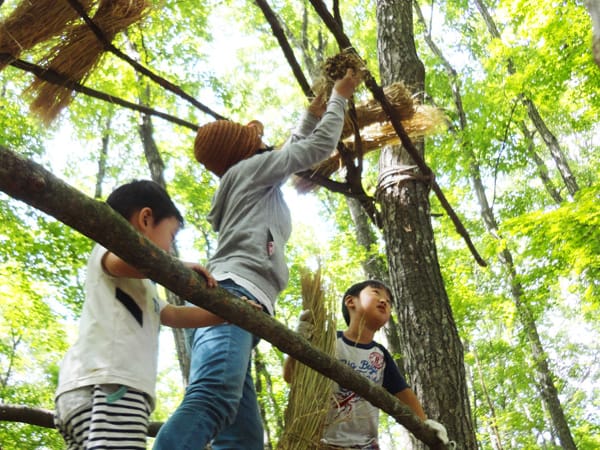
x=106, y=385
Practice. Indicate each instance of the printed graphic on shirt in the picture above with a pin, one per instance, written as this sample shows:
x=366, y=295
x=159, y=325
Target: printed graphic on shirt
x=370, y=368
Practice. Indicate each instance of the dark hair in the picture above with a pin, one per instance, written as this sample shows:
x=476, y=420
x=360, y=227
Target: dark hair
x=132, y=197
x=355, y=291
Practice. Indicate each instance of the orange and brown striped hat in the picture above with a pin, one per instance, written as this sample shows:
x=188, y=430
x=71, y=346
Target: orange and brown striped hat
x=222, y=143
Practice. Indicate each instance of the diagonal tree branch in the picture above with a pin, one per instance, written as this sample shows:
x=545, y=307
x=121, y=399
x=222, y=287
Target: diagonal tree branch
x=288, y=52
x=353, y=187
x=54, y=77
x=29, y=182
x=378, y=94
x=108, y=46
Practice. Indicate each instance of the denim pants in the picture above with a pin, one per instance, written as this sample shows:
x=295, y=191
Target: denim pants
x=220, y=401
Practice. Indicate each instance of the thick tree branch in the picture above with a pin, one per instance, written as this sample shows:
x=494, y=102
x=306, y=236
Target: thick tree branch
x=54, y=77
x=378, y=94
x=29, y=182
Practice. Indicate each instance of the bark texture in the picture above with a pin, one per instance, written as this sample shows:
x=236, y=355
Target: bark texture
x=429, y=338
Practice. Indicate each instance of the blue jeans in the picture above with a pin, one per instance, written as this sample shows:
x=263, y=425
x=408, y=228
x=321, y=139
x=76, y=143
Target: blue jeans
x=220, y=401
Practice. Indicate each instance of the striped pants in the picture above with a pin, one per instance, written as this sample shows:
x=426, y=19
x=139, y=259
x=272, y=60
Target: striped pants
x=103, y=417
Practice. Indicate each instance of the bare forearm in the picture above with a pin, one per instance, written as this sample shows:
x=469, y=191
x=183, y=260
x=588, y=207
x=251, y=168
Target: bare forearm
x=188, y=317
x=408, y=397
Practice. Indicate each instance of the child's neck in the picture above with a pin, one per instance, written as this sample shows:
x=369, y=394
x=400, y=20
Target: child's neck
x=359, y=334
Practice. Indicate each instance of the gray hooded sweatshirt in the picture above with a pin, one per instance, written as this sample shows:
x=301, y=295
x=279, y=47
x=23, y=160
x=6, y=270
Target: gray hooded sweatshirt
x=249, y=212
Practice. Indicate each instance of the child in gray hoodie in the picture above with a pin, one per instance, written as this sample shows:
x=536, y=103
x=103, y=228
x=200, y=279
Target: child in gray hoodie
x=254, y=224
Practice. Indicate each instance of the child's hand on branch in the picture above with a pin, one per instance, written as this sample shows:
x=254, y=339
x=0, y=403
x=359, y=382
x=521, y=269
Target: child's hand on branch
x=210, y=281
x=346, y=85
x=306, y=325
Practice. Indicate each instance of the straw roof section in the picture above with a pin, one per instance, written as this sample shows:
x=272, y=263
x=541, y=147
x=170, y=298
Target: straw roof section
x=32, y=22
x=311, y=393
x=77, y=55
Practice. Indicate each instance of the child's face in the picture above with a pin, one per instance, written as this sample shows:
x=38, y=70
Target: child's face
x=163, y=234
x=374, y=305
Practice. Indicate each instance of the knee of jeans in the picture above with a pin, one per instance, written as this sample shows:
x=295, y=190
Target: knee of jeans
x=223, y=400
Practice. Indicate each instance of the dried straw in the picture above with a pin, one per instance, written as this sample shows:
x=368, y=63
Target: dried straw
x=376, y=130
x=371, y=112
x=333, y=69
x=310, y=392
x=32, y=22
x=77, y=55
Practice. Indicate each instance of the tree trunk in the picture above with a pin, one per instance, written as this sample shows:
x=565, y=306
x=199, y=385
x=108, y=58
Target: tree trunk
x=493, y=423
x=552, y=143
x=267, y=395
x=157, y=168
x=434, y=362
x=544, y=376
x=102, y=159
x=593, y=7
x=375, y=265
x=542, y=169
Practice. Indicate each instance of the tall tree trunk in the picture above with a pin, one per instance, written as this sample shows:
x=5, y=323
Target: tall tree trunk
x=434, y=354
x=375, y=265
x=157, y=168
x=547, y=136
x=102, y=159
x=542, y=169
x=267, y=395
x=543, y=373
x=493, y=423
x=155, y=162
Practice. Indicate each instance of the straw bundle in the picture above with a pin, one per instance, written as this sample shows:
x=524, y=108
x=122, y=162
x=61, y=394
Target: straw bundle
x=371, y=112
x=32, y=22
x=310, y=392
x=377, y=131
x=77, y=55
x=335, y=68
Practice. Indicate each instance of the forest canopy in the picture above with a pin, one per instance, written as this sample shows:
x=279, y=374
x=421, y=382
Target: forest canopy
x=518, y=162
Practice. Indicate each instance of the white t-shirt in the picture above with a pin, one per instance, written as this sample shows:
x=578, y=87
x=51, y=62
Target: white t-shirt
x=118, y=333
x=353, y=421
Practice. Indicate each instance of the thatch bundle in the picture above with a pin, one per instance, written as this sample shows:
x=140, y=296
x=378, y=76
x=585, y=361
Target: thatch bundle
x=32, y=22
x=310, y=392
x=371, y=112
x=376, y=130
x=77, y=54
x=333, y=69
x=372, y=121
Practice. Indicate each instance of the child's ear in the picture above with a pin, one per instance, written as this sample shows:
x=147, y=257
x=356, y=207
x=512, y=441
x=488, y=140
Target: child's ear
x=349, y=301
x=143, y=219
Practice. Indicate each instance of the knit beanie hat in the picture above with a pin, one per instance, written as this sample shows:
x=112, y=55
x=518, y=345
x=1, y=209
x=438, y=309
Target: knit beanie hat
x=222, y=143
